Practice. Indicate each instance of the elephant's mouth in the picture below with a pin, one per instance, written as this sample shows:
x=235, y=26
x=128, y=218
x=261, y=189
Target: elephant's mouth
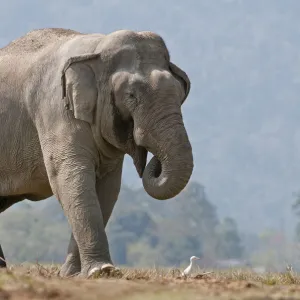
x=140, y=159
x=138, y=153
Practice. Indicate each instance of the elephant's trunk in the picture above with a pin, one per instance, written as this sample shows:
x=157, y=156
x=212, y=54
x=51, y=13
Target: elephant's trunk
x=170, y=169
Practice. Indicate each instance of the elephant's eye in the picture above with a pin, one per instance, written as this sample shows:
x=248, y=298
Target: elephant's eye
x=131, y=101
x=131, y=95
x=132, y=98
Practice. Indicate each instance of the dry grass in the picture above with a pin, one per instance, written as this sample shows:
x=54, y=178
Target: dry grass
x=41, y=282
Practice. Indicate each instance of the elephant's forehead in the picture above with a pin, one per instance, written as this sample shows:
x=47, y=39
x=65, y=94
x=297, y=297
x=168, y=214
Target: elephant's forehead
x=143, y=42
x=124, y=36
x=135, y=58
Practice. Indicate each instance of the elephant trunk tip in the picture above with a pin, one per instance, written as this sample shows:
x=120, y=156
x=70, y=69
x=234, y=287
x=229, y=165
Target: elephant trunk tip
x=163, y=182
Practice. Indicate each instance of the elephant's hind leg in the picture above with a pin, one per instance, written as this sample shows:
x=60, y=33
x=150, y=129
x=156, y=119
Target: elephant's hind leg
x=8, y=201
x=5, y=203
x=72, y=265
x=3, y=207
x=2, y=259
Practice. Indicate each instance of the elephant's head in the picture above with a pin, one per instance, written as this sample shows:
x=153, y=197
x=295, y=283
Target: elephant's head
x=131, y=94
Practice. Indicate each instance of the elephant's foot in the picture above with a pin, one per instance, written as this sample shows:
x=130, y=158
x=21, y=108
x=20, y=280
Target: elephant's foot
x=104, y=270
x=70, y=268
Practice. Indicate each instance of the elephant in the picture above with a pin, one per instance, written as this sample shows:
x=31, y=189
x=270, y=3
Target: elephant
x=72, y=105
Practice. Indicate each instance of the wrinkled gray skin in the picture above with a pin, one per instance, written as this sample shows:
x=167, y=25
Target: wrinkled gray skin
x=71, y=106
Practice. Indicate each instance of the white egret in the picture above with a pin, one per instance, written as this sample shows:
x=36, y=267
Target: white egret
x=189, y=269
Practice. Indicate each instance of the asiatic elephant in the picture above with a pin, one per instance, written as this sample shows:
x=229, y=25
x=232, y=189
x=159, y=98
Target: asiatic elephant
x=71, y=106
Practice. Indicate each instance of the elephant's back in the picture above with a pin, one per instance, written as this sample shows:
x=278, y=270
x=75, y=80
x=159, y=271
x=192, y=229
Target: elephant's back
x=37, y=40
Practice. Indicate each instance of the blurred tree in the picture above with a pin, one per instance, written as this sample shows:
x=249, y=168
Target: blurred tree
x=296, y=209
x=141, y=231
x=229, y=242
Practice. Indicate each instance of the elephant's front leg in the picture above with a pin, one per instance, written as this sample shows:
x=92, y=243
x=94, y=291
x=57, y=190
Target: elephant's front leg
x=73, y=181
x=108, y=189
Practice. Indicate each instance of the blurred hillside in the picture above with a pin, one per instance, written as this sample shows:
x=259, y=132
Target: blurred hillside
x=243, y=59
x=141, y=232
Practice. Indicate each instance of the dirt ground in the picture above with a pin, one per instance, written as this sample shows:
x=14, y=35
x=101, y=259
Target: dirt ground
x=41, y=282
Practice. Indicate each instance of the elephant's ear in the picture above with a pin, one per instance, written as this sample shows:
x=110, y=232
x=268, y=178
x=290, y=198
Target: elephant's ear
x=182, y=77
x=79, y=87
